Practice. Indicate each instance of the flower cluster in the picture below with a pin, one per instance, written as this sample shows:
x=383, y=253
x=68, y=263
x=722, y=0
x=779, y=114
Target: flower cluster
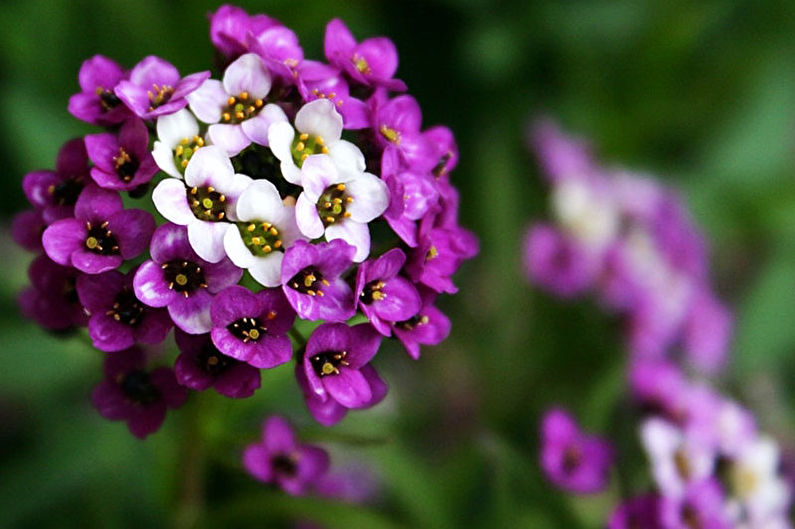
x=293, y=190
x=629, y=240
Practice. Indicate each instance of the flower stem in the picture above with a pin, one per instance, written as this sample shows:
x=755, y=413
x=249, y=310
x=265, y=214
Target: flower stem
x=298, y=337
x=191, y=469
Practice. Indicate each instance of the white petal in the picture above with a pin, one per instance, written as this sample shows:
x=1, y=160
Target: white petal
x=171, y=129
x=230, y=138
x=171, y=201
x=236, y=249
x=207, y=101
x=280, y=139
x=353, y=233
x=291, y=172
x=260, y=201
x=317, y=173
x=164, y=158
x=347, y=157
x=370, y=197
x=320, y=118
x=207, y=239
x=209, y=163
x=288, y=227
x=256, y=128
x=267, y=270
x=232, y=189
x=247, y=74
x=307, y=218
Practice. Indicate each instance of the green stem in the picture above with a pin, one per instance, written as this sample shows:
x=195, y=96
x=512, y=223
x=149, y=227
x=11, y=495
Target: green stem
x=191, y=470
x=298, y=337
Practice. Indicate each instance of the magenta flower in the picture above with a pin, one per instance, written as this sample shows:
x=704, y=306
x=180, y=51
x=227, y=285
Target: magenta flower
x=230, y=26
x=154, y=88
x=118, y=319
x=701, y=506
x=177, y=278
x=312, y=283
x=640, y=512
x=123, y=161
x=372, y=62
x=101, y=236
x=321, y=81
x=55, y=193
x=97, y=102
x=133, y=394
x=396, y=123
x=383, y=295
x=428, y=326
x=26, y=230
x=201, y=365
x=280, y=459
x=52, y=299
x=334, y=357
x=235, y=108
x=329, y=412
x=253, y=327
x=570, y=459
x=558, y=263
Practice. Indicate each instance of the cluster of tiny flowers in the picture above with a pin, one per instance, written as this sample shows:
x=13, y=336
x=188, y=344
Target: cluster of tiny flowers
x=629, y=240
x=272, y=180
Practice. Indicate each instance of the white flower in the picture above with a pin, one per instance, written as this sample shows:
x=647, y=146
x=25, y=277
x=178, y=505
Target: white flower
x=178, y=138
x=267, y=227
x=319, y=131
x=339, y=204
x=756, y=483
x=204, y=201
x=586, y=211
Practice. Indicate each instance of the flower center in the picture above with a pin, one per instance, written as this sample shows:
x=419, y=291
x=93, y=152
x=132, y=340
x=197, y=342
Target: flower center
x=284, y=464
x=572, y=458
x=411, y=323
x=213, y=362
x=107, y=99
x=373, y=291
x=183, y=276
x=261, y=238
x=100, y=240
x=440, y=169
x=126, y=308
x=206, y=203
x=241, y=108
x=305, y=145
x=159, y=95
x=249, y=329
x=137, y=387
x=328, y=362
x=66, y=192
x=690, y=517
x=69, y=290
x=682, y=464
x=308, y=281
x=361, y=64
x=331, y=204
x=391, y=135
x=126, y=164
x=185, y=149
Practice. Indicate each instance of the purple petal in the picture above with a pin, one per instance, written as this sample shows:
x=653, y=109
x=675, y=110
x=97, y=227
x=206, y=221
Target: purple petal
x=278, y=436
x=133, y=229
x=400, y=302
x=169, y=242
x=92, y=263
x=98, y=293
x=192, y=314
x=247, y=74
x=154, y=327
x=62, y=239
x=234, y=303
x=96, y=204
x=109, y=335
x=257, y=461
x=151, y=287
x=228, y=137
x=349, y=388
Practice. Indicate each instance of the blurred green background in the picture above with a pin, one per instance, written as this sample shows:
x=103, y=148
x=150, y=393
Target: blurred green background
x=700, y=93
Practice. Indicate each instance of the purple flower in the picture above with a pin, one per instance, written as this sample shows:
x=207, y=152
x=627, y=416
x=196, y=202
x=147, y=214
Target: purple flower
x=55, y=193
x=642, y=512
x=571, y=459
x=428, y=326
x=229, y=27
x=446, y=150
x=131, y=393
x=123, y=161
x=252, y=327
x=202, y=202
x=707, y=332
x=701, y=506
x=101, y=236
x=396, y=124
x=97, y=103
x=334, y=357
x=311, y=280
x=329, y=412
x=383, y=295
x=27, y=228
x=282, y=460
x=235, y=107
x=118, y=318
x=373, y=62
x=339, y=205
x=321, y=81
x=175, y=277
x=201, y=365
x=557, y=262
x=52, y=299
x=154, y=88
x=278, y=47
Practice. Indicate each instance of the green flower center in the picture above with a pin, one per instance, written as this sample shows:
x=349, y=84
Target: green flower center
x=261, y=238
x=240, y=108
x=331, y=204
x=100, y=240
x=328, y=362
x=185, y=150
x=305, y=145
x=206, y=203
